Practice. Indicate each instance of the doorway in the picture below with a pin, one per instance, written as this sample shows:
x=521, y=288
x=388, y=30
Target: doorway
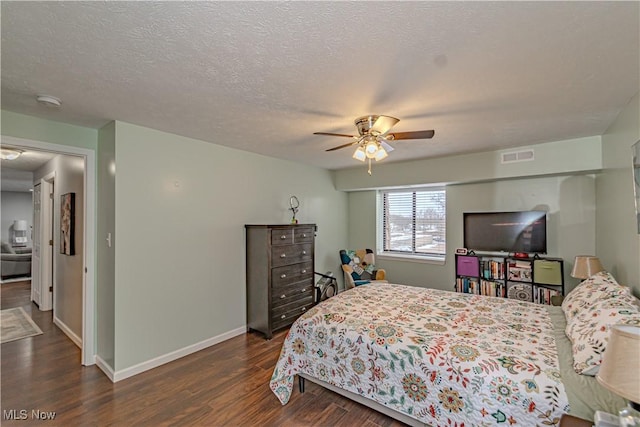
x=88, y=222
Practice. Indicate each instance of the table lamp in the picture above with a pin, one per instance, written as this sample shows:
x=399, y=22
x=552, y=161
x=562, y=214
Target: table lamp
x=585, y=266
x=620, y=370
x=20, y=228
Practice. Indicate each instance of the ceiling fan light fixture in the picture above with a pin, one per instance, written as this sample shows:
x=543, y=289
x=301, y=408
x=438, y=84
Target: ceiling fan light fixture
x=381, y=154
x=10, y=153
x=375, y=136
x=359, y=154
x=371, y=148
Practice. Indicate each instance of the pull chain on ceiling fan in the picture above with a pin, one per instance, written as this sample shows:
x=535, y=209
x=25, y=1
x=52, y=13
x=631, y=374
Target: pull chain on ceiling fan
x=374, y=138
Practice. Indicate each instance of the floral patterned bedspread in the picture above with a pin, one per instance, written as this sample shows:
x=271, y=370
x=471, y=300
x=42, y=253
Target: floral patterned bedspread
x=444, y=358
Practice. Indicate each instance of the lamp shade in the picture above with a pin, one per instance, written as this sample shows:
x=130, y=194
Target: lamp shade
x=586, y=266
x=20, y=225
x=620, y=369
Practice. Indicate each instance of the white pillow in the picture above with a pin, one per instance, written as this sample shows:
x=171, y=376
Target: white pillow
x=599, y=286
x=589, y=329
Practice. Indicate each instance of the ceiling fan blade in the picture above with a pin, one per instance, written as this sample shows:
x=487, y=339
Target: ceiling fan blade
x=342, y=146
x=335, y=134
x=420, y=134
x=383, y=124
x=384, y=143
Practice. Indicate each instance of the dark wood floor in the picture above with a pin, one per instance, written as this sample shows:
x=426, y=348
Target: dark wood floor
x=227, y=384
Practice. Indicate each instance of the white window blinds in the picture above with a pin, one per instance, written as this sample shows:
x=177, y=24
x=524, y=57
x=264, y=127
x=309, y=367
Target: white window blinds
x=414, y=222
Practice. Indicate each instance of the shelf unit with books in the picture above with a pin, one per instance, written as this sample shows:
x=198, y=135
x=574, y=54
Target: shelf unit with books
x=532, y=279
x=480, y=275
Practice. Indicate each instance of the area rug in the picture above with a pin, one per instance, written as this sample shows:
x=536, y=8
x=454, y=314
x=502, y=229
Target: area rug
x=16, y=324
x=15, y=279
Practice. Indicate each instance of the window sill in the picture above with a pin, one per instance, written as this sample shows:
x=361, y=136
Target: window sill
x=412, y=258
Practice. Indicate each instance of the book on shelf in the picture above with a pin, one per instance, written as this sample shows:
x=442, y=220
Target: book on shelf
x=492, y=269
x=484, y=287
x=468, y=285
x=543, y=295
x=492, y=289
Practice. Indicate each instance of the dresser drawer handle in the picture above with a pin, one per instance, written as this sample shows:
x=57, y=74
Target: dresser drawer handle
x=283, y=237
x=282, y=276
x=303, y=290
x=283, y=256
x=283, y=296
x=283, y=316
x=304, y=252
x=304, y=234
x=304, y=308
x=304, y=271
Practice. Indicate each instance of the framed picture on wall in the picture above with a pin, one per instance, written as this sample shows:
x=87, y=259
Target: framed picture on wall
x=67, y=223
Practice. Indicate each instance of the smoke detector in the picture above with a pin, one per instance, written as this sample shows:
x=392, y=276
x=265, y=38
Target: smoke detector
x=48, y=101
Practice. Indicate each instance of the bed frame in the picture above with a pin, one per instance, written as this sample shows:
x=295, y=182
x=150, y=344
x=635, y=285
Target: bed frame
x=362, y=400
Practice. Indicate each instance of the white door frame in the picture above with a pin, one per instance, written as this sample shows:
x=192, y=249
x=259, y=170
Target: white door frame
x=88, y=356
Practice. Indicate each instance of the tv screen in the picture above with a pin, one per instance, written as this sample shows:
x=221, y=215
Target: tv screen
x=524, y=231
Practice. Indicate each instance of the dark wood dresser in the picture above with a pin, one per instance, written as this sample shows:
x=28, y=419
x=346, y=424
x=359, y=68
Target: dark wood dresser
x=280, y=266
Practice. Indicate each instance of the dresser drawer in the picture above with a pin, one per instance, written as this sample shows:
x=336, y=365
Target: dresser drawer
x=281, y=236
x=282, y=276
x=292, y=254
x=287, y=314
x=547, y=272
x=303, y=235
x=298, y=292
x=468, y=266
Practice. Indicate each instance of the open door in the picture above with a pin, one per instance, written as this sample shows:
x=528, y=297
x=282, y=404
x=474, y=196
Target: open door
x=46, y=242
x=42, y=253
x=35, y=253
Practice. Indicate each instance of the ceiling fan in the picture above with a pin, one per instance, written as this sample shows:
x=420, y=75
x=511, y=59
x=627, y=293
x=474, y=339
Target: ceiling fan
x=374, y=138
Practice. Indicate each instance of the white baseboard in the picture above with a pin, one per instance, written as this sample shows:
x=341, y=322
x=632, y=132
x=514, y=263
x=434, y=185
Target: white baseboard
x=106, y=368
x=67, y=331
x=174, y=355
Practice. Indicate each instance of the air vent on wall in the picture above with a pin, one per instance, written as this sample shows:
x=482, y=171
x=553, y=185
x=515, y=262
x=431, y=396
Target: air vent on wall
x=517, y=156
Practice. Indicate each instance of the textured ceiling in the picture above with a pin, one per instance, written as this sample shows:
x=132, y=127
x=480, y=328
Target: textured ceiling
x=263, y=76
x=17, y=175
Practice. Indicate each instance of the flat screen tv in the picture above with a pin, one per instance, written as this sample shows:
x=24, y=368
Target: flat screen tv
x=524, y=231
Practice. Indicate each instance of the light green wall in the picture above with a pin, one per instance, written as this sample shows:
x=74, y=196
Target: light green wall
x=28, y=127
x=560, y=157
x=181, y=206
x=570, y=201
x=105, y=288
x=618, y=243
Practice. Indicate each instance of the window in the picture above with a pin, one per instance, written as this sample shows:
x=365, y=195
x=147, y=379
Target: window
x=414, y=223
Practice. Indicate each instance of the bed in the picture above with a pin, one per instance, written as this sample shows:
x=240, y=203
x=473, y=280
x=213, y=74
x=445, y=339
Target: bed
x=432, y=357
